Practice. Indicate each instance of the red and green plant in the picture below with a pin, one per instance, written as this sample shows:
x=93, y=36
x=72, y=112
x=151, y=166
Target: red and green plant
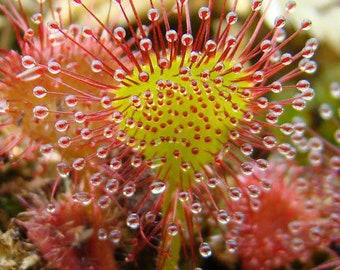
x=159, y=129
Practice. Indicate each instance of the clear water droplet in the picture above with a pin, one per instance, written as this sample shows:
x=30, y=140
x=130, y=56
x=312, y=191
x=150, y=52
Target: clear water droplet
x=102, y=234
x=40, y=111
x=64, y=141
x=115, y=164
x=63, y=169
x=46, y=149
x=112, y=185
x=39, y=92
x=61, y=125
x=115, y=236
x=129, y=189
x=172, y=229
x=235, y=193
x=51, y=208
x=96, y=179
x=78, y=164
x=96, y=66
x=133, y=221
x=157, y=187
x=231, y=245
x=82, y=197
x=223, y=217
x=71, y=100
x=183, y=196
x=205, y=250
x=196, y=208
x=104, y=202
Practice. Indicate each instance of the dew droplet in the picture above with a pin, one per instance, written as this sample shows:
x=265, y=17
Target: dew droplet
x=79, y=117
x=46, y=149
x=187, y=40
x=102, y=152
x=196, y=208
x=235, y=193
x=119, y=75
x=269, y=142
x=53, y=67
x=64, y=141
x=82, y=197
x=253, y=191
x=153, y=14
x=256, y=5
x=40, y=111
x=106, y=102
x=136, y=161
x=247, y=168
x=212, y=182
x=112, y=185
x=119, y=33
x=71, y=100
x=39, y=92
x=28, y=62
x=61, y=125
x=104, y=202
x=231, y=245
x=150, y=217
x=171, y=36
x=335, y=89
x=297, y=244
x=86, y=133
x=183, y=196
x=78, y=164
x=101, y=234
x=172, y=229
x=286, y=59
x=325, y=111
x=280, y=22
x=315, y=234
x=115, y=236
x=255, y=204
x=295, y=227
x=266, y=45
x=51, y=208
x=117, y=117
x=205, y=250
x=231, y=17
x=157, y=187
x=246, y=149
x=258, y=76
x=96, y=66
x=96, y=179
x=37, y=18
x=306, y=24
x=262, y=164
x=299, y=104
x=129, y=189
x=132, y=221
x=223, y=217
x=145, y=44
x=204, y=13
x=115, y=164
x=63, y=169
x=334, y=163
x=239, y=217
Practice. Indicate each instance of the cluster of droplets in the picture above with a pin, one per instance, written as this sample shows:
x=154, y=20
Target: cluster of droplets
x=321, y=152
x=305, y=216
x=163, y=123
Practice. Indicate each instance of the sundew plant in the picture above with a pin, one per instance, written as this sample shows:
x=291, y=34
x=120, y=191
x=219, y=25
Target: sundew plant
x=160, y=133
